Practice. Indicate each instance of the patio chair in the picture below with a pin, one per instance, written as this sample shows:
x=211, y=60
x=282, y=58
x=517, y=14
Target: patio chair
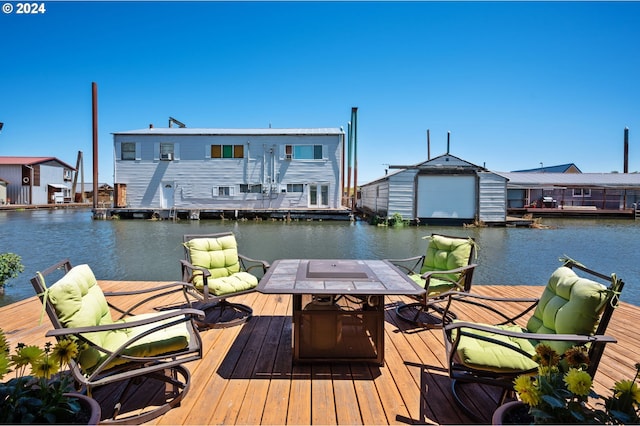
x=128, y=351
x=572, y=311
x=217, y=271
x=445, y=267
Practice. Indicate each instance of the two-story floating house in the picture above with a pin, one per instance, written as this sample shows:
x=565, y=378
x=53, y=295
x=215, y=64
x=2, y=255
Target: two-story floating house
x=229, y=172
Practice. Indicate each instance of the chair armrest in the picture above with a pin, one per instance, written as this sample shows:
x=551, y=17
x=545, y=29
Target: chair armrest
x=414, y=264
x=154, y=293
x=248, y=263
x=188, y=267
x=144, y=361
x=187, y=313
x=187, y=276
x=479, y=301
x=578, y=338
x=427, y=275
x=467, y=329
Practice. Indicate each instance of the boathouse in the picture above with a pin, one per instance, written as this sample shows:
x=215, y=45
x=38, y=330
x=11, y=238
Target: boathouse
x=243, y=171
x=444, y=190
x=36, y=180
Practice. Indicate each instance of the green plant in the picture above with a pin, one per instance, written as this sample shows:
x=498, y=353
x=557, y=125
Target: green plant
x=10, y=266
x=38, y=397
x=561, y=392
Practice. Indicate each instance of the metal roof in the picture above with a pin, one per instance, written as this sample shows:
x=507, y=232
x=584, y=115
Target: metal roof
x=231, y=132
x=602, y=180
x=561, y=168
x=29, y=161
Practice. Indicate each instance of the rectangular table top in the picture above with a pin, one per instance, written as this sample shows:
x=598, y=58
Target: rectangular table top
x=336, y=276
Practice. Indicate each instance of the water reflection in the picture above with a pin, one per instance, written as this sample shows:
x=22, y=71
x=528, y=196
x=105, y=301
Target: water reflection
x=149, y=250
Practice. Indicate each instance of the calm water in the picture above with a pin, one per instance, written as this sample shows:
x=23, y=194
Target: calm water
x=149, y=250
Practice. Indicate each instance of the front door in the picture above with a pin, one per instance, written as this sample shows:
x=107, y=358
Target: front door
x=166, y=198
x=318, y=195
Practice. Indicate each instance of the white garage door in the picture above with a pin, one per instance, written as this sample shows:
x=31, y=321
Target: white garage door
x=447, y=196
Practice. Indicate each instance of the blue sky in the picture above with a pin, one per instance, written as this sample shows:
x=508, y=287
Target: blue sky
x=516, y=83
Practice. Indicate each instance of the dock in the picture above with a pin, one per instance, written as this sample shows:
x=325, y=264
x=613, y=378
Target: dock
x=197, y=213
x=246, y=375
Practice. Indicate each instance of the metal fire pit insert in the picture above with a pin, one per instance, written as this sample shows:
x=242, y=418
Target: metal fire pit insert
x=336, y=269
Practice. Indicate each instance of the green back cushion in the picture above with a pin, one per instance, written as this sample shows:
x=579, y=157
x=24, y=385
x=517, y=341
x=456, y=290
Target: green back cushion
x=79, y=302
x=568, y=305
x=444, y=254
x=220, y=256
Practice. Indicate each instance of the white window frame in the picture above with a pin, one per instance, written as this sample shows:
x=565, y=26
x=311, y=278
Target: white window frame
x=292, y=155
x=135, y=151
x=581, y=192
x=230, y=191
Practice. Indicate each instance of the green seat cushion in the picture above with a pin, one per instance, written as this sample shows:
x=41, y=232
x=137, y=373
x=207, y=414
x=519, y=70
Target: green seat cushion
x=240, y=281
x=219, y=255
x=569, y=305
x=165, y=340
x=488, y=356
x=436, y=286
x=79, y=302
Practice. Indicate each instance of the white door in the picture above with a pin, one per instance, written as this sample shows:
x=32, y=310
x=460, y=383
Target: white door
x=166, y=197
x=318, y=195
x=446, y=196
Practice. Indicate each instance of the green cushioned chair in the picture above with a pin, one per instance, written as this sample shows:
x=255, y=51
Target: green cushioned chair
x=572, y=310
x=217, y=271
x=446, y=266
x=129, y=348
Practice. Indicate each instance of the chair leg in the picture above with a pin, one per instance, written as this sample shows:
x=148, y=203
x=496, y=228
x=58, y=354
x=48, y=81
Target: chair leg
x=171, y=384
x=471, y=413
x=224, y=314
x=419, y=314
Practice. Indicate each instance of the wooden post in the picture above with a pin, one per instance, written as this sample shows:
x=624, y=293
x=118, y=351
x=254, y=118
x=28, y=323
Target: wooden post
x=94, y=98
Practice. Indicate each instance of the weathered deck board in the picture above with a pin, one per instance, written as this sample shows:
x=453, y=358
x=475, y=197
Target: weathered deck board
x=246, y=375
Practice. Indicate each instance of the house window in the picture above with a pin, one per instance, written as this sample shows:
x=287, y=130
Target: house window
x=166, y=151
x=222, y=191
x=250, y=189
x=128, y=151
x=227, y=151
x=582, y=192
x=303, y=152
x=295, y=187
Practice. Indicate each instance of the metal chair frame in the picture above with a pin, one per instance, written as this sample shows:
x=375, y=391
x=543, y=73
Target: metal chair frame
x=210, y=303
x=167, y=368
x=460, y=373
x=418, y=313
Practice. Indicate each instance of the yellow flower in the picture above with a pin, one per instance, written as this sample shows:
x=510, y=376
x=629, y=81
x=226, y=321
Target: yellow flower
x=525, y=387
x=45, y=367
x=578, y=382
x=26, y=355
x=627, y=387
x=64, y=351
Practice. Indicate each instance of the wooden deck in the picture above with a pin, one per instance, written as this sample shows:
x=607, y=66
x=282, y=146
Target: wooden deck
x=246, y=375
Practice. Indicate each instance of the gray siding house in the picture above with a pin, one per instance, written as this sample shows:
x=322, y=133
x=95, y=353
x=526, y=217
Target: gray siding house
x=36, y=180
x=606, y=191
x=251, y=169
x=443, y=190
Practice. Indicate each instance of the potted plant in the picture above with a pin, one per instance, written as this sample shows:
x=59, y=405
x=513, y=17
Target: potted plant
x=46, y=394
x=10, y=267
x=562, y=392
